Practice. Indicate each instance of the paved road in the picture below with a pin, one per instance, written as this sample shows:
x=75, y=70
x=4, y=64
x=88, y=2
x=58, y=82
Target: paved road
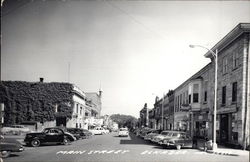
x=109, y=147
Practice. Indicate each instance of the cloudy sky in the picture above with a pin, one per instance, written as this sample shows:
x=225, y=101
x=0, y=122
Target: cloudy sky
x=134, y=49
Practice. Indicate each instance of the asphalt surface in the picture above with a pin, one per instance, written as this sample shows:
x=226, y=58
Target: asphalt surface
x=110, y=147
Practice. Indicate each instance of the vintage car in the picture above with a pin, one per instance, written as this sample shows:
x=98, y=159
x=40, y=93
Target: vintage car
x=9, y=145
x=160, y=137
x=123, y=132
x=177, y=139
x=15, y=129
x=49, y=136
x=98, y=131
x=152, y=134
x=79, y=133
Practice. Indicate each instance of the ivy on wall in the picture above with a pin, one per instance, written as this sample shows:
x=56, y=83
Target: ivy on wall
x=35, y=101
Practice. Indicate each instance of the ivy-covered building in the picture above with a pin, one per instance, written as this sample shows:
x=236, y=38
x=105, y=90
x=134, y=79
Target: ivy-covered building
x=47, y=104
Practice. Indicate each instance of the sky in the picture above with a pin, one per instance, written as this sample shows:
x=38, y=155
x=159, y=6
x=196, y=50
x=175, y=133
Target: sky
x=133, y=50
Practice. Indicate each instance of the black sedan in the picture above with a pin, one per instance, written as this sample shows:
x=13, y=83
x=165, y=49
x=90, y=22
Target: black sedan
x=9, y=145
x=49, y=136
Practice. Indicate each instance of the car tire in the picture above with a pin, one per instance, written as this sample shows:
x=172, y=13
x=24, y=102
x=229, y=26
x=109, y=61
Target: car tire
x=35, y=143
x=66, y=141
x=4, y=154
x=178, y=147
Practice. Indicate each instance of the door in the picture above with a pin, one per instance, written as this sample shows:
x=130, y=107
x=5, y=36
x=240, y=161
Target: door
x=224, y=128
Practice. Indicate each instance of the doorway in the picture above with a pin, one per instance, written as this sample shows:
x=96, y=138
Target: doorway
x=224, y=128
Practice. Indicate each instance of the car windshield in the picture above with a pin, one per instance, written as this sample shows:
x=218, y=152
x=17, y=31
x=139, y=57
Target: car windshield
x=176, y=135
x=123, y=129
x=165, y=133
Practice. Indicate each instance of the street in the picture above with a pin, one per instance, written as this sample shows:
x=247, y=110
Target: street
x=110, y=147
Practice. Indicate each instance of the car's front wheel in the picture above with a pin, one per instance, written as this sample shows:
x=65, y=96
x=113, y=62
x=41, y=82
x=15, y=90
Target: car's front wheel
x=178, y=147
x=35, y=143
x=66, y=141
x=4, y=154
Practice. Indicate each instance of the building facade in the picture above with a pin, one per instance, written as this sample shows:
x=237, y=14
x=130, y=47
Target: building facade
x=47, y=104
x=191, y=105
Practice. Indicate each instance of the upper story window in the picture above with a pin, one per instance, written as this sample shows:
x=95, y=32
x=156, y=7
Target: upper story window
x=205, y=91
x=235, y=59
x=80, y=110
x=224, y=65
x=234, y=92
x=196, y=93
x=76, y=108
x=224, y=95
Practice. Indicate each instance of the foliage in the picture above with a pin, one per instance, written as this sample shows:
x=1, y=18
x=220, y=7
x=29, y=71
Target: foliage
x=35, y=101
x=124, y=120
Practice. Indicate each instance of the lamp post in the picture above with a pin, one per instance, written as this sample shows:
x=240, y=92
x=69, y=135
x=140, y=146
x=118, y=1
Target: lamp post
x=215, y=55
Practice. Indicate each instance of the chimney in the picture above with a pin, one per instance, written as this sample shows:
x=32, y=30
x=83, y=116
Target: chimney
x=41, y=80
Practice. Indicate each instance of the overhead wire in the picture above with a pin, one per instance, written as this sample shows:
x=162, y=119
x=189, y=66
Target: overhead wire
x=134, y=19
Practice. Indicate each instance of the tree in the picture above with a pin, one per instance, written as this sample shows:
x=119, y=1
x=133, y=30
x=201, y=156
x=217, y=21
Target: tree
x=124, y=120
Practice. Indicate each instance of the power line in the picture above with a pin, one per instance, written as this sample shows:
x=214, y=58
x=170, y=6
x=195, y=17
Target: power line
x=134, y=19
x=16, y=8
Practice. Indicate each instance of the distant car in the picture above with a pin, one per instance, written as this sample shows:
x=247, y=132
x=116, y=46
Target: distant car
x=9, y=145
x=123, y=132
x=177, y=139
x=15, y=129
x=98, y=131
x=49, y=136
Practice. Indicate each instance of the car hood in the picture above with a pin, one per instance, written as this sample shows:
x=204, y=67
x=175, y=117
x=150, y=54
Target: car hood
x=10, y=140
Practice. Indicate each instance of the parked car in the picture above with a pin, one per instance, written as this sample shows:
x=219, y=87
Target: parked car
x=9, y=145
x=152, y=134
x=145, y=132
x=98, y=130
x=177, y=139
x=161, y=136
x=49, y=136
x=123, y=132
x=15, y=129
x=79, y=133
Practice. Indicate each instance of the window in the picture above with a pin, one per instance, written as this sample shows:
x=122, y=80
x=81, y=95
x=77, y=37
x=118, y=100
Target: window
x=186, y=97
x=225, y=65
x=196, y=93
x=224, y=95
x=80, y=110
x=235, y=60
x=205, y=91
x=195, y=97
x=234, y=92
x=76, y=108
x=189, y=98
x=205, y=96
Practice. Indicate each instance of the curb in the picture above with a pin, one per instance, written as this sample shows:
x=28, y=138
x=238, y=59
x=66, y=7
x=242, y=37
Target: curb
x=221, y=153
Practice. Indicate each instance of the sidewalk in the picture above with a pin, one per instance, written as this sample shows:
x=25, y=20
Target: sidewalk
x=222, y=150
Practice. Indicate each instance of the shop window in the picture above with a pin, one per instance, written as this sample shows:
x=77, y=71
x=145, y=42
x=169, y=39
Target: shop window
x=224, y=95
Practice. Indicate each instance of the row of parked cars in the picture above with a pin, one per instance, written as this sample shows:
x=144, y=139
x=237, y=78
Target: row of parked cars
x=166, y=138
x=53, y=135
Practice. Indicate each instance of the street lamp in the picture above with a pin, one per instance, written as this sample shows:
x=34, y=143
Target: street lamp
x=215, y=55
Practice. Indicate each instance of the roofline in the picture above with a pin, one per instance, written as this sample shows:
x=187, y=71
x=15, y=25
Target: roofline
x=194, y=76
x=230, y=37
